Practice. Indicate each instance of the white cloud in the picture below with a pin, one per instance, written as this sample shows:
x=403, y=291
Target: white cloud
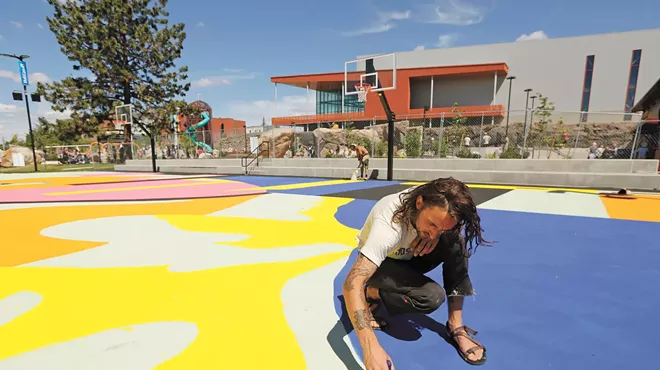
x=452, y=12
x=445, y=41
x=419, y=47
x=40, y=25
x=1, y=37
x=14, y=118
x=53, y=115
x=16, y=24
x=223, y=79
x=7, y=108
x=375, y=28
x=34, y=77
x=536, y=35
x=394, y=16
x=383, y=24
x=210, y=81
x=253, y=112
x=200, y=24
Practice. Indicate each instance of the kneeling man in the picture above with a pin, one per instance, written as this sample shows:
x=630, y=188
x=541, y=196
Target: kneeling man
x=405, y=236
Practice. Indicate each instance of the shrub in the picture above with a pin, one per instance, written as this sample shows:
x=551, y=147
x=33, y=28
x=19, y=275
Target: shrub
x=413, y=144
x=466, y=153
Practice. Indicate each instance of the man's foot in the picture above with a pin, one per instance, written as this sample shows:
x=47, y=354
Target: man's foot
x=469, y=348
x=374, y=302
x=377, y=323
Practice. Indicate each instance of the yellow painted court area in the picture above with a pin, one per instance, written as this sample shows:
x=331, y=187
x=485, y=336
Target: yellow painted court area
x=22, y=241
x=238, y=312
x=321, y=228
x=303, y=185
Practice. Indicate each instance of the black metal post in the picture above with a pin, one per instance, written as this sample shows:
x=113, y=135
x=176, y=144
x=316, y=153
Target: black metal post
x=152, y=141
x=390, y=135
x=27, y=107
x=526, y=106
x=508, y=107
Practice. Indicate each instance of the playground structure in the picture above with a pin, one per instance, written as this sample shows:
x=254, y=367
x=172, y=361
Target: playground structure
x=185, y=124
x=192, y=132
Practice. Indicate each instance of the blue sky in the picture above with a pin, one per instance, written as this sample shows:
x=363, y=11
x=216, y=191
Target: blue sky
x=234, y=47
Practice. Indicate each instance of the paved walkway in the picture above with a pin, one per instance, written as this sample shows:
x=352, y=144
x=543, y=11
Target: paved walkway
x=141, y=271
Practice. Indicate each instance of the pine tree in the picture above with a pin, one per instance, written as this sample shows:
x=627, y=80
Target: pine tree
x=130, y=49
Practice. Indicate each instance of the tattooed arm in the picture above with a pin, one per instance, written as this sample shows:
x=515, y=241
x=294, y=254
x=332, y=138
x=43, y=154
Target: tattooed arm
x=356, y=303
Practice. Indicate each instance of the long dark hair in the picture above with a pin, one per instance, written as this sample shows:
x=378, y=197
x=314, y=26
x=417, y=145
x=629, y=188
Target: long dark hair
x=452, y=195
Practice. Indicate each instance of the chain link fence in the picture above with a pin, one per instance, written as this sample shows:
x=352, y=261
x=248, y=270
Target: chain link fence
x=78, y=157
x=232, y=143
x=520, y=134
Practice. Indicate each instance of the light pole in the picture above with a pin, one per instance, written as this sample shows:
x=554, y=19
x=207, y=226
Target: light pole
x=530, y=127
x=508, y=106
x=24, y=79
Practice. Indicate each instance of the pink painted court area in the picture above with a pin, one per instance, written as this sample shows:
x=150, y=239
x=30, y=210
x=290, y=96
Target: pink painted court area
x=132, y=190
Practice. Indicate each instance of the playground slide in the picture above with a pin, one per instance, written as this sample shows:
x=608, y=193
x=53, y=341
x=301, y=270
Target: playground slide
x=191, y=132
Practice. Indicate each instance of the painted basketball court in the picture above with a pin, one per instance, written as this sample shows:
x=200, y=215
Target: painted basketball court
x=149, y=271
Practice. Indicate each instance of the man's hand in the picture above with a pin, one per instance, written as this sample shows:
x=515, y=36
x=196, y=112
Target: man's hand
x=375, y=358
x=421, y=246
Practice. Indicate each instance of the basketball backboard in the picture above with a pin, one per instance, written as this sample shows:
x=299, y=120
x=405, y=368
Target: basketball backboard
x=124, y=113
x=377, y=70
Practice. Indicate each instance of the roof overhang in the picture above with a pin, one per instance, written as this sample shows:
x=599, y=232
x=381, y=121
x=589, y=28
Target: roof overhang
x=649, y=99
x=334, y=80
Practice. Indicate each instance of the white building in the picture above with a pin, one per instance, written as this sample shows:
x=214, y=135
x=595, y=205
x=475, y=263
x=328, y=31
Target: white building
x=596, y=73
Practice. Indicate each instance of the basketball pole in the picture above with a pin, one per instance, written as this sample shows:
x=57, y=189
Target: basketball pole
x=390, y=117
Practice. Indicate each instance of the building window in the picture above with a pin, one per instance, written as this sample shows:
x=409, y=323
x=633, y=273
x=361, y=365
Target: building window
x=329, y=102
x=632, y=82
x=586, y=87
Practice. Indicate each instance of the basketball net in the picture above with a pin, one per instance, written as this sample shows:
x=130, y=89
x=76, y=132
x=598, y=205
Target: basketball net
x=362, y=89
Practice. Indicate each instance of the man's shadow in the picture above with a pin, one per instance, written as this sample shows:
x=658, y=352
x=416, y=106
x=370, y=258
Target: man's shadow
x=402, y=327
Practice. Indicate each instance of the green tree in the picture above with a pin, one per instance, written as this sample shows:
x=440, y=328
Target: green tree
x=413, y=143
x=539, y=135
x=456, y=132
x=130, y=49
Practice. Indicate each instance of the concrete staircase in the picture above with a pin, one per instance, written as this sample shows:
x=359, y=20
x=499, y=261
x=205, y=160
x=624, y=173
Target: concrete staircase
x=598, y=173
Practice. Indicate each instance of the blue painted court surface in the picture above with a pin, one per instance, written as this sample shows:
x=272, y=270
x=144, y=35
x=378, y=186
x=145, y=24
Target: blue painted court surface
x=554, y=292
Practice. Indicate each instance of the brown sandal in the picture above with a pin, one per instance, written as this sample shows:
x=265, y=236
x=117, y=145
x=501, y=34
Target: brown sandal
x=467, y=332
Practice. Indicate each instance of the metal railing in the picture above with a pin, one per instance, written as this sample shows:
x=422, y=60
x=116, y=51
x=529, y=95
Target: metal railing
x=258, y=153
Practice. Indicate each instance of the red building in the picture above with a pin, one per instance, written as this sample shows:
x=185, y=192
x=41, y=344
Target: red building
x=331, y=106
x=227, y=126
x=218, y=127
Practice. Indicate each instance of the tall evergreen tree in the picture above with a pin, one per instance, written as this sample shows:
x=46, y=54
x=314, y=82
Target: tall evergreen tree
x=130, y=50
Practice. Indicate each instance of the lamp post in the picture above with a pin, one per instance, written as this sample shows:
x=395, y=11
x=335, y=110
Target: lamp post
x=527, y=104
x=508, y=106
x=25, y=81
x=530, y=126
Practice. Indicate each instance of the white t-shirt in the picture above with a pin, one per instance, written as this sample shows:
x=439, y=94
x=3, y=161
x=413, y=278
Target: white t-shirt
x=380, y=237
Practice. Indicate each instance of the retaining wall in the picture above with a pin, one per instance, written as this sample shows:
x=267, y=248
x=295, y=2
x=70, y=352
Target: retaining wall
x=598, y=173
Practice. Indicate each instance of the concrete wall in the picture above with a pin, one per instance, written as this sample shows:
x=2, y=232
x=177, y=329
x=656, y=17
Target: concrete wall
x=555, y=67
x=512, y=165
x=636, y=174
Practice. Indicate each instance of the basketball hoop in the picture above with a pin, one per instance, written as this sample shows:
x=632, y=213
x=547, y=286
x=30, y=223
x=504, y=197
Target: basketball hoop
x=362, y=89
